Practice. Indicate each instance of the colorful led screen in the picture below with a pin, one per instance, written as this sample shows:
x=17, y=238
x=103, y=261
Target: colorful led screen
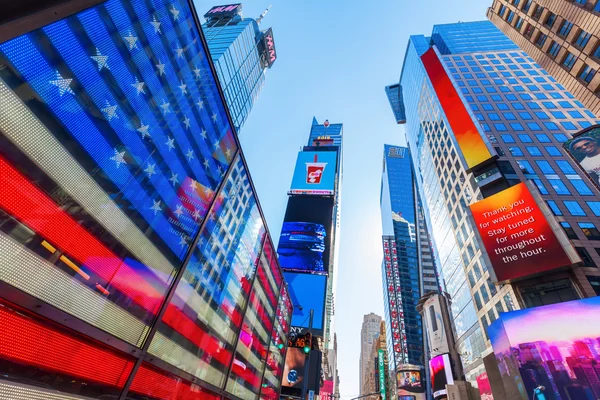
x=555, y=346
x=441, y=375
x=470, y=142
x=584, y=148
x=315, y=173
x=516, y=234
x=307, y=292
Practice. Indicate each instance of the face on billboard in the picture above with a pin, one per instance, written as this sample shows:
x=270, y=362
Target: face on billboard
x=470, y=141
x=517, y=236
x=315, y=173
x=293, y=371
x=441, y=375
x=585, y=150
x=305, y=241
x=409, y=379
x=557, y=343
x=308, y=291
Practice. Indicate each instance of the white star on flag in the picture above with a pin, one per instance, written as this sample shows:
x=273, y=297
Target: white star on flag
x=143, y=129
x=179, y=211
x=139, y=86
x=183, y=241
x=173, y=178
x=161, y=68
x=190, y=154
x=150, y=170
x=110, y=111
x=206, y=163
x=203, y=133
x=207, y=191
x=197, y=72
x=196, y=214
x=131, y=40
x=165, y=106
x=183, y=88
x=219, y=170
x=175, y=12
x=200, y=104
x=179, y=52
x=214, y=117
x=63, y=85
x=193, y=185
x=170, y=143
x=186, y=122
x=156, y=25
x=156, y=206
x=217, y=144
x=228, y=152
x=100, y=59
x=119, y=158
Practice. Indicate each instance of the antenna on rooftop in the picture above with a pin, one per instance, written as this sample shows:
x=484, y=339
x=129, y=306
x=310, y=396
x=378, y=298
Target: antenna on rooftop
x=263, y=14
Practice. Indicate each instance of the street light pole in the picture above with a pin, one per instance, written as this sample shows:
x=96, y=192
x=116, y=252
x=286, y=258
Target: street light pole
x=307, y=362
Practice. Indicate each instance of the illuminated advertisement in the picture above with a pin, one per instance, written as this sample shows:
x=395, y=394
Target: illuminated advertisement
x=470, y=142
x=554, y=346
x=485, y=389
x=293, y=371
x=409, y=382
x=230, y=9
x=305, y=240
x=517, y=235
x=269, y=55
x=441, y=375
x=381, y=369
x=434, y=324
x=584, y=148
x=315, y=173
x=307, y=292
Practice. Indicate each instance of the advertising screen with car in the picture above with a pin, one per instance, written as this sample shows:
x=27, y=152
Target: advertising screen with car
x=305, y=241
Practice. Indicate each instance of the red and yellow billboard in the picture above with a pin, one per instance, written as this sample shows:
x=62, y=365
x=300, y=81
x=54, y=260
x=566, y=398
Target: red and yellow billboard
x=472, y=146
x=517, y=236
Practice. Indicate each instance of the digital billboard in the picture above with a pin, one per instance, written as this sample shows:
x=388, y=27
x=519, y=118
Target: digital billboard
x=441, y=375
x=409, y=382
x=293, y=371
x=437, y=335
x=516, y=231
x=485, y=389
x=307, y=292
x=315, y=173
x=584, y=148
x=470, y=141
x=555, y=346
x=305, y=240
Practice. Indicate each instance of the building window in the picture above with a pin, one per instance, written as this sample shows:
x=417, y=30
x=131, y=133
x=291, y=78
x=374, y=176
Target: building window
x=525, y=167
x=581, y=187
x=534, y=151
x=510, y=16
x=502, y=10
x=559, y=187
x=527, y=6
x=478, y=301
x=595, y=207
x=528, y=32
x=508, y=302
x=557, y=291
x=519, y=23
x=553, y=49
x=545, y=167
x=574, y=208
x=582, y=39
x=565, y=28
x=582, y=2
x=565, y=167
x=569, y=61
x=589, y=230
x=554, y=207
x=550, y=20
x=541, y=39
x=585, y=257
x=587, y=74
x=538, y=12
x=595, y=282
x=569, y=230
x=540, y=186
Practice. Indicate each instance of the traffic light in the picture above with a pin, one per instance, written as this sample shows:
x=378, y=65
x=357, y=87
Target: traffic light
x=306, y=349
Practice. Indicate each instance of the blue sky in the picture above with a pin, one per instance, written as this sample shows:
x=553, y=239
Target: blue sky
x=334, y=59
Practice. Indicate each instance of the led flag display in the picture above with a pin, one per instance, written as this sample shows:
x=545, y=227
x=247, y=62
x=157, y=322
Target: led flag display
x=470, y=142
x=517, y=235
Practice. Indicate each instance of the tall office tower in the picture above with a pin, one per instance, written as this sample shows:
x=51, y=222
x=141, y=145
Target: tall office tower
x=562, y=36
x=308, y=244
x=369, y=332
x=482, y=117
x=377, y=375
x=241, y=53
x=134, y=257
x=408, y=269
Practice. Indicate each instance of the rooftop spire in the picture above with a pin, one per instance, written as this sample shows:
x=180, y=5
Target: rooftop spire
x=263, y=14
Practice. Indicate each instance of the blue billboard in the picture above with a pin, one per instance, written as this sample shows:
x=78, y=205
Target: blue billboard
x=315, y=173
x=307, y=292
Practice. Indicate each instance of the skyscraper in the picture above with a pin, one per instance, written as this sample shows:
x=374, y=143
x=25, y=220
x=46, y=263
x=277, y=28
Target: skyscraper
x=517, y=117
x=369, y=332
x=562, y=36
x=308, y=242
x=408, y=269
x=241, y=53
x=134, y=257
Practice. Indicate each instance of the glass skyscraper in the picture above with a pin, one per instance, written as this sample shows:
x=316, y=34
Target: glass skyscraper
x=241, y=53
x=134, y=256
x=524, y=115
x=408, y=269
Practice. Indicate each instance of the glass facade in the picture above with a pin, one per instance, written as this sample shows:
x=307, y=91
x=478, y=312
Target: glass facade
x=525, y=115
x=133, y=252
x=237, y=48
x=408, y=267
x=394, y=95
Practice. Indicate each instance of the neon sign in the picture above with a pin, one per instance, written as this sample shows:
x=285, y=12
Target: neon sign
x=270, y=55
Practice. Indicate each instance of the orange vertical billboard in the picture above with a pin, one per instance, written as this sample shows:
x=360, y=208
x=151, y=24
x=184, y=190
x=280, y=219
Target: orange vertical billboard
x=519, y=239
x=472, y=146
